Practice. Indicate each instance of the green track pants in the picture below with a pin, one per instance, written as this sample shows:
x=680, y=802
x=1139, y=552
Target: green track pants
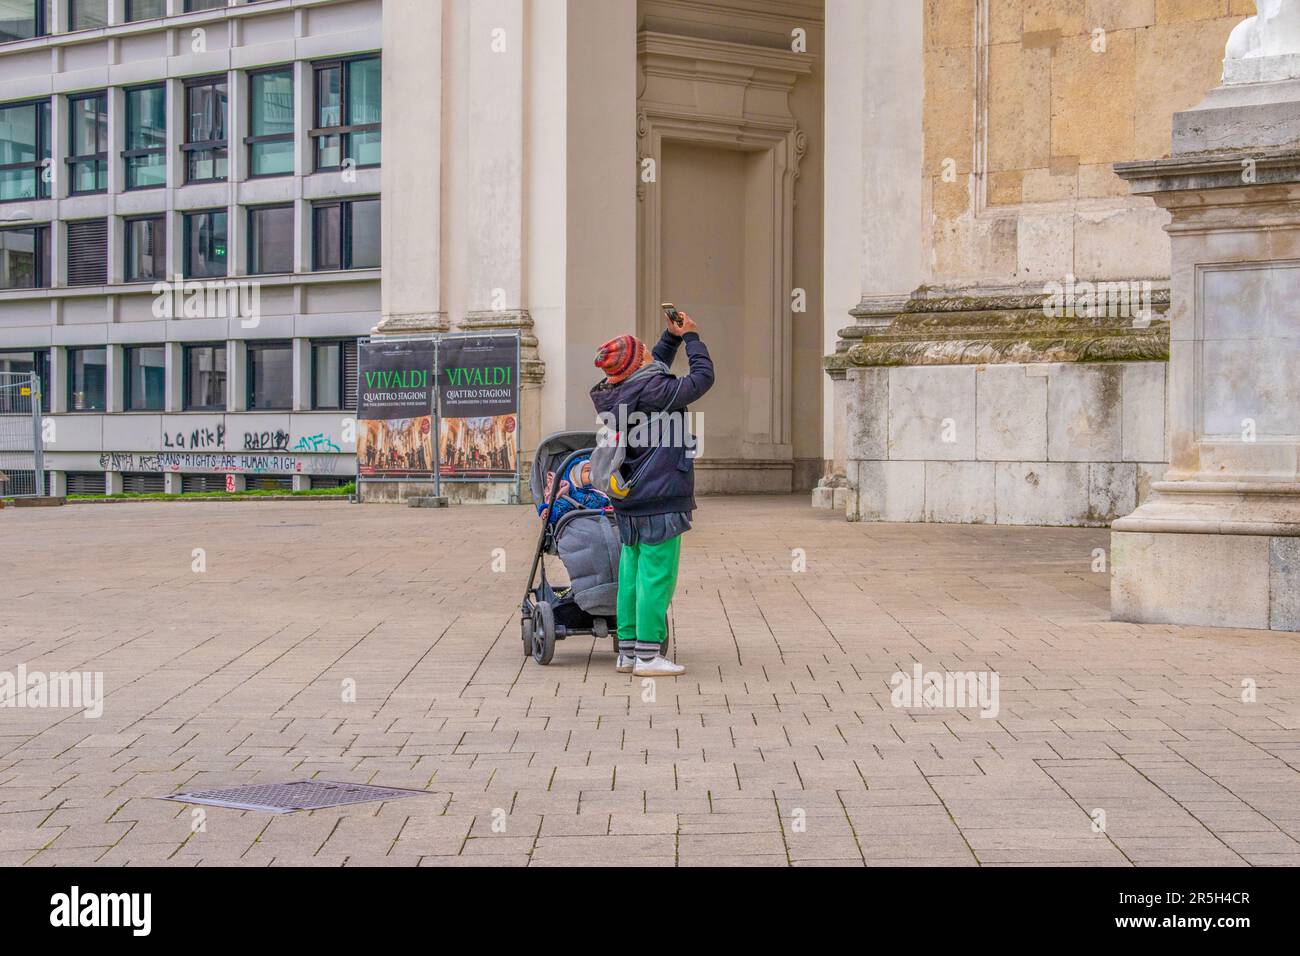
x=647, y=577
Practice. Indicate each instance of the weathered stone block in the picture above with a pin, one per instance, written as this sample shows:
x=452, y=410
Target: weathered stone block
x=1084, y=420
x=1212, y=580
x=1041, y=492
x=1284, y=584
x=960, y=491
x=890, y=491
x=932, y=413
x=866, y=413
x=1144, y=411
x=1011, y=414
x=1093, y=98
x=1112, y=491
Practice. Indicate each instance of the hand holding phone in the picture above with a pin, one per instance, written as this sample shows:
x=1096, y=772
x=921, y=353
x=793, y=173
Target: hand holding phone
x=674, y=316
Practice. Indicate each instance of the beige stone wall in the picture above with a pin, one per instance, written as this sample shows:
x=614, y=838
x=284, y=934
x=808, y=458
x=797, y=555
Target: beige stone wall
x=1027, y=105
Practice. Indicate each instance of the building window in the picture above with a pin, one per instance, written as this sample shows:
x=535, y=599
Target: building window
x=87, y=252
x=145, y=378
x=24, y=362
x=146, y=137
x=205, y=130
x=347, y=113
x=270, y=376
x=145, y=9
x=204, y=374
x=205, y=244
x=146, y=249
x=87, y=379
x=270, y=123
x=88, y=142
x=25, y=151
x=87, y=14
x=193, y=5
x=25, y=257
x=270, y=239
x=345, y=235
x=334, y=374
x=24, y=19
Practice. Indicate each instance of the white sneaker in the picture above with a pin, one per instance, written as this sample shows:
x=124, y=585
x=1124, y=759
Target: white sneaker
x=626, y=662
x=658, y=666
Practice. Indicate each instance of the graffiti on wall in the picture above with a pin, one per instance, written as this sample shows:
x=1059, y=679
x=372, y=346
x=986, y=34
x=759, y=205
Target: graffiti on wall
x=218, y=463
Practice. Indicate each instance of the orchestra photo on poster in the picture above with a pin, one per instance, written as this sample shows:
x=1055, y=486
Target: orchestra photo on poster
x=478, y=386
x=395, y=409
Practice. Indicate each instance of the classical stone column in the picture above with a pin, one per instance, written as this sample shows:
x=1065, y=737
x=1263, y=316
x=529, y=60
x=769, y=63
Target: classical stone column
x=1219, y=542
x=496, y=230
x=412, y=170
x=873, y=217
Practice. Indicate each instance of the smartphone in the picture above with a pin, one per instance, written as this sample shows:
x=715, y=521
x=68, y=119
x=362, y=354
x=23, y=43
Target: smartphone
x=670, y=310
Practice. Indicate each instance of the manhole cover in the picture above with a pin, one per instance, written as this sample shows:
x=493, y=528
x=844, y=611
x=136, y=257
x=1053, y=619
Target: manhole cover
x=288, y=797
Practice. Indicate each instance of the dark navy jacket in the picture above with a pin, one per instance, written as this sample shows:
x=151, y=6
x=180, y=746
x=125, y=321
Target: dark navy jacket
x=665, y=473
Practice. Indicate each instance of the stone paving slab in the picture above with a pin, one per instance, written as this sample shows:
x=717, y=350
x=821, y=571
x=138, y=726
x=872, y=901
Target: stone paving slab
x=377, y=644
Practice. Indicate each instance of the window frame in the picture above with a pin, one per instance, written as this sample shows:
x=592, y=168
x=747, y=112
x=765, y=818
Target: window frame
x=339, y=344
x=71, y=351
x=127, y=349
x=345, y=232
x=130, y=154
x=254, y=138
x=41, y=365
x=217, y=146
x=186, y=217
x=249, y=215
x=100, y=156
x=41, y=244
x=71, y=4
x=128, y=13
x=40, y=22
x=186, y=349
x=250, y=350
x=128, y=246
x=344, y=130
x=43, y=148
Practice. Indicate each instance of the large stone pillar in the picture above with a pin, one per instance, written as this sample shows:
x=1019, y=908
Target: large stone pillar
x=1219, y=542
x=873, y=229
x=498, y=42
x=411, y=296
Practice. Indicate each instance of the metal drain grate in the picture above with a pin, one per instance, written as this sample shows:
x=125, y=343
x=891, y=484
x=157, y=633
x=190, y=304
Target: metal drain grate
x=288, y=797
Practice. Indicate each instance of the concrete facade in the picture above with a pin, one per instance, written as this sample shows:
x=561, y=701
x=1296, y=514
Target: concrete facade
x=294, y=446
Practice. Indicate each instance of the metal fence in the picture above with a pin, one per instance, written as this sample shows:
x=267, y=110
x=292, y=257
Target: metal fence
x=22, y=463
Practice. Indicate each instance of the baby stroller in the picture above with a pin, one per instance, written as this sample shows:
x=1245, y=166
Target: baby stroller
x=586, y=542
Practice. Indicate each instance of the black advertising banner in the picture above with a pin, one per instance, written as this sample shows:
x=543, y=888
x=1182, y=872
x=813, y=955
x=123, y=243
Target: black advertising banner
x=478, y=387
x=395, y=408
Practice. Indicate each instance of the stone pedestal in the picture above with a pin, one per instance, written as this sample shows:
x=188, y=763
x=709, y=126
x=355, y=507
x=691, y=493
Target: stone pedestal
x=1218, y=543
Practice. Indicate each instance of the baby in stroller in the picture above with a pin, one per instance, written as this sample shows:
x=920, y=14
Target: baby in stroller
x=576, y=491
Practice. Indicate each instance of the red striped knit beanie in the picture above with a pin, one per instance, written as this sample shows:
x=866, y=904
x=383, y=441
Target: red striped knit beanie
x=620, y=357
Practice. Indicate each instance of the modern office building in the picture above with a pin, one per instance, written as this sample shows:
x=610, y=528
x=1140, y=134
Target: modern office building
x=867, y=205
x=189, y=234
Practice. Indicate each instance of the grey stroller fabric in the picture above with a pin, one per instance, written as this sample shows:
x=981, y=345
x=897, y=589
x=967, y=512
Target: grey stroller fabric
x=587, y=542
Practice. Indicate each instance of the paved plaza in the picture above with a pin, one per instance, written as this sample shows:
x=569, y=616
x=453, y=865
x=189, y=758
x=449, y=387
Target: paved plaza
x=1112, y=744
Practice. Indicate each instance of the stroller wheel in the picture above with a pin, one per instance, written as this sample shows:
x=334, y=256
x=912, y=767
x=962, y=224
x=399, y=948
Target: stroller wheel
x=543, y=634
x=599, y=628
x=526, y=631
